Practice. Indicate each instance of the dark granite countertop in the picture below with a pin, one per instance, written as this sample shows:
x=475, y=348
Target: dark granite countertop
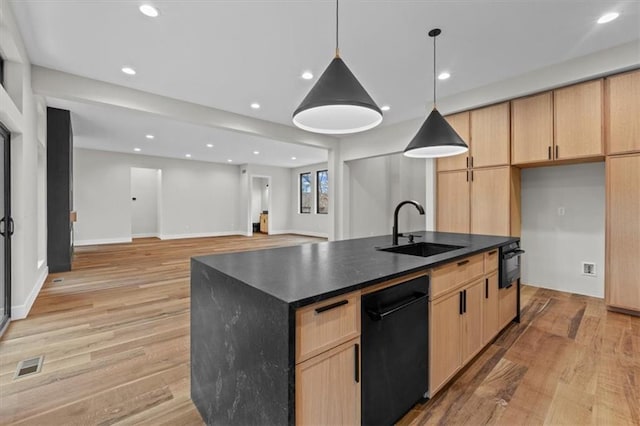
x=300, y=275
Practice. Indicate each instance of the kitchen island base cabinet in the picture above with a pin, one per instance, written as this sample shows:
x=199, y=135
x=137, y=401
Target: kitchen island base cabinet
x=328, y=387
x=472, y=320
x=508, y=304
x=490, y=309
x=446, y=345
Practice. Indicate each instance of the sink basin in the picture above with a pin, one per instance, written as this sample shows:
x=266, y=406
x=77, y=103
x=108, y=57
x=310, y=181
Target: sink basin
x=421, y=249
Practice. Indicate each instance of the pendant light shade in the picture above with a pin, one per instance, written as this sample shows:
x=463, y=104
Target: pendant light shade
x=337, y=103
x=436, y=137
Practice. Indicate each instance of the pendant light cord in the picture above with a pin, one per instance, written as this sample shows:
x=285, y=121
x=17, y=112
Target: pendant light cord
x=337, y=26
x=434, y=72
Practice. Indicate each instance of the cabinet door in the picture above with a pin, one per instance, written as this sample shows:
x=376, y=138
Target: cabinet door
x=578, y=121
x=622, y=280
x=472, y=340
x=490, y=136
x=460, y=123
x=490, y=201
x=445, y=347
x=453, y=202
x=490, y=315
x=623, y=112
x=328, y=387
x=532, y=129
x=507, y=305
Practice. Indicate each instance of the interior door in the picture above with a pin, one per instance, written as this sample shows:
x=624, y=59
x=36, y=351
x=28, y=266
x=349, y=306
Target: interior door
x=6, y=228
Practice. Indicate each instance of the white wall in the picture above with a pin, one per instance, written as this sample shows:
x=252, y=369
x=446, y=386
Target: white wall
x=313, y=223
x=557, y=245
x=197, y=198
x=377, y=185
x=145, y=188
x=21, y=112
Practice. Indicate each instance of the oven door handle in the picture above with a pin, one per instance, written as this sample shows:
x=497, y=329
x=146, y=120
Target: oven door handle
x=513, y=253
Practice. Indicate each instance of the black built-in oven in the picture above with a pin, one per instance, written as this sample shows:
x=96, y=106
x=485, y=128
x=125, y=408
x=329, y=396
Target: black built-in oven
x=510, y=264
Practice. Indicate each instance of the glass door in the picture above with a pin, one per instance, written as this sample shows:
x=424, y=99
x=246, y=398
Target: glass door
x=6, y=228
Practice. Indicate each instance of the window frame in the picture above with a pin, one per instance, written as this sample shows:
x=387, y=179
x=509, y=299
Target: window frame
x=318, y=190
x=300, y=193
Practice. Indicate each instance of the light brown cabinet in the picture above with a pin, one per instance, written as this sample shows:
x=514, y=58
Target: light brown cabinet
x=578, y=121
x=622, y=111
x=490, y=309
x=532, y=129
x=622, y=281
x=507, y=305
x=445, y=348
x=453, y=208
x=479, y=201
x=460, y=123
x=264, y=223
x=490, y=136
x=471, y=320
x=328, y=387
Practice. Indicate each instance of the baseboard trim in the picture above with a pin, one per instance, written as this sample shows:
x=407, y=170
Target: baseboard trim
x=21, y=311
x=562, y=290
x=199, y=235
x=79, y=243
x=305, y=233
x=146, y=235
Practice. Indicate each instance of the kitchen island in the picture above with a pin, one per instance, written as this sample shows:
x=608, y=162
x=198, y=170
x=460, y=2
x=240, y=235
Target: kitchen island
x=253, y=313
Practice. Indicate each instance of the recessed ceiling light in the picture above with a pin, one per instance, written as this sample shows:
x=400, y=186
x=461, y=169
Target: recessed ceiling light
x=137, y=149
x=209, y=145
x=188, y=155
x=229, y=160
x=444, y=76
x=149, y=136
x=255, y=105
x=385, y=107
x=149, y=10
x=293, y=158
x=256, y=152
x=307, y=75
x=608, y=17
x=128, y=71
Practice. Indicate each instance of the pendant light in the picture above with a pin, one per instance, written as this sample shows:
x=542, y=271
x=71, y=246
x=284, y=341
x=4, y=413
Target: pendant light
x=337, y=103
x=436, y=137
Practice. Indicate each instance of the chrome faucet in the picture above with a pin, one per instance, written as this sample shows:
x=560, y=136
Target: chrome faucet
x=395, y=217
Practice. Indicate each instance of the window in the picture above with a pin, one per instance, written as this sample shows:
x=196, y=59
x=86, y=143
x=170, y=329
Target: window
x=305, y=193
x=322, y=194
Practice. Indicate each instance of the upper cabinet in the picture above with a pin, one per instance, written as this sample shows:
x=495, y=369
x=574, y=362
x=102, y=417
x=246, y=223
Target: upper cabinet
x=623, y=113
x=490, y=136
x=578, y=118
x=532, y=129
x=460, y=123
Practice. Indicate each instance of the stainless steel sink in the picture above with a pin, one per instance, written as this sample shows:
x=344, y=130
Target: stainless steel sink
x=420, y=249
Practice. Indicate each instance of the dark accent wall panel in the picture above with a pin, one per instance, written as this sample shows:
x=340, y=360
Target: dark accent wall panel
x=59, y=189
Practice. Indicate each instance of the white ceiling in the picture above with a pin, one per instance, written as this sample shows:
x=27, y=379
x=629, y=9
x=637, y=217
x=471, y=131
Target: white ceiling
x=116, y=129
x=228, y=54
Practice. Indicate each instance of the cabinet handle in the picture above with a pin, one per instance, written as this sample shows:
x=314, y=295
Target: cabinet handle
x=472, y=165
x=356, y=350
x=471, y=175
x=549, y=153
x=467, y=175
x=557, y=153
x=491, y=253
x=465, y=301
x=467, y=162
x=486, y=288
x=461, y=310
x=464, y=262
x=331, y=306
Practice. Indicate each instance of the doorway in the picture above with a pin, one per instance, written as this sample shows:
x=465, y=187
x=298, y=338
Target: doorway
x=6, y=228
x=145, y=202
x=260, y=202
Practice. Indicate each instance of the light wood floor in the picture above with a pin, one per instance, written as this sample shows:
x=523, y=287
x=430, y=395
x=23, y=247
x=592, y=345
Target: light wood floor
x=115, y=336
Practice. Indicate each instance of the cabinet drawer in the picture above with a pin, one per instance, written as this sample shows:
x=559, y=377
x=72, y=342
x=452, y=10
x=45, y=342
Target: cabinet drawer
x=326, y=324
x=491, y=260
x=448, y=277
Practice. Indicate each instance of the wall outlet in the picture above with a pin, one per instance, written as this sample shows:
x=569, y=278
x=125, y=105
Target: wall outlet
x=589, y=269
x=560, y=211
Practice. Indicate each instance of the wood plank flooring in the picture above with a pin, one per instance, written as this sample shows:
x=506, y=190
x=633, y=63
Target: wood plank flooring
x=115, y=336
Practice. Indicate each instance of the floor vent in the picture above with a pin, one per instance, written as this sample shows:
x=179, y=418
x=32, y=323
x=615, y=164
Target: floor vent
x=58, y=280
x=29, y=366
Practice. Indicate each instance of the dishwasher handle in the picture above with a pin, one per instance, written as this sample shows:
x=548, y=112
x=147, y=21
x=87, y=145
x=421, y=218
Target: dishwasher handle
x=395, y=307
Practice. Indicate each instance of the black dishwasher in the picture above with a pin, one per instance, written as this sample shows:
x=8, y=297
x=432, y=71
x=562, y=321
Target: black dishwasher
x=394, y=351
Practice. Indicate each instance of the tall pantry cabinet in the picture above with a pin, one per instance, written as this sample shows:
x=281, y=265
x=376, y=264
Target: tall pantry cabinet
x=622, y=272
